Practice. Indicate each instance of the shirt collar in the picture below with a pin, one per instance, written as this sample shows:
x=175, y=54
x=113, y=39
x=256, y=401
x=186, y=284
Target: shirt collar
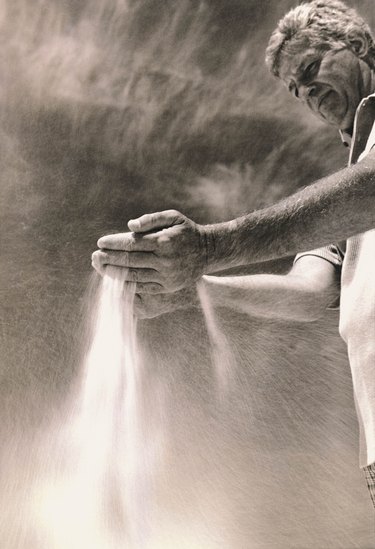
x=363, y=122
x=345, y=137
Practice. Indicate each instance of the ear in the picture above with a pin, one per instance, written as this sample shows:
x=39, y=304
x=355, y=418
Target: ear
x=358, y=42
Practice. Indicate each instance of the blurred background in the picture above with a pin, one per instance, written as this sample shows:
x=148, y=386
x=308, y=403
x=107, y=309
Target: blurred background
x=112, y=109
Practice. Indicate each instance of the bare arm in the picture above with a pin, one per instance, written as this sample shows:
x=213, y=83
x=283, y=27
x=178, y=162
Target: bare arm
x=330, y=210
x=301, y=295
x=167, y=251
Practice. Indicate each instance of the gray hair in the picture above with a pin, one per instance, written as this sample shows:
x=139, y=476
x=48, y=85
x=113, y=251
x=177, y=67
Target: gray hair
x=323, y=24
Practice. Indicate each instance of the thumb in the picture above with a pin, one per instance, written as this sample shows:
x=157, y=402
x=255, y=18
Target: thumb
x=159, y=220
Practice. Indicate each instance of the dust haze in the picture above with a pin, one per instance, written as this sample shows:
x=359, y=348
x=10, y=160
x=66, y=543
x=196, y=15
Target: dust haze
x=109, y=110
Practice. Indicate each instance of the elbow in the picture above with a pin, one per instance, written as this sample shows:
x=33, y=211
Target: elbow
x=312, y=295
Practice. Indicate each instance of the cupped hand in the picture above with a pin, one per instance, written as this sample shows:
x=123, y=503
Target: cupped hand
x=165, y=252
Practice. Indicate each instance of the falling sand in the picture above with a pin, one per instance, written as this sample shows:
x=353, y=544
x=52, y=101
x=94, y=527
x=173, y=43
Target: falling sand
x=96, y=490
x=114, y=109
x=100, y=496
x=108, y=474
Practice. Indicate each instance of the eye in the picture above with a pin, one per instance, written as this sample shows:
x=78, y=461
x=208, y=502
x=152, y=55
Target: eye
x=311, y=70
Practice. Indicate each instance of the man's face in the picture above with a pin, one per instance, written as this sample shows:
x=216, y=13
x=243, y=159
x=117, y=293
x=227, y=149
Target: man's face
x=330, y=83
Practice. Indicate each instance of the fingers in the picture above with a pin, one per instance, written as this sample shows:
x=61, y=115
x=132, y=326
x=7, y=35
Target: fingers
x=145, y=276
x=134, y=263
x=137, y=260
x=159, y=220
x=128, y=242
x=147, y=280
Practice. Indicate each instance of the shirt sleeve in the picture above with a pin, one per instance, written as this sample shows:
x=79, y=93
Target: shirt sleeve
x=334, y=254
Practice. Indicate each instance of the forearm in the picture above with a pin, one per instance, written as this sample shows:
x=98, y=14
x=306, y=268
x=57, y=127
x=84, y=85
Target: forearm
x=330, y=210
x=288, y=297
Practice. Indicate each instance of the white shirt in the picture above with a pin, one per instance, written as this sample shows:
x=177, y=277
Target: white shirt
x=357, y=300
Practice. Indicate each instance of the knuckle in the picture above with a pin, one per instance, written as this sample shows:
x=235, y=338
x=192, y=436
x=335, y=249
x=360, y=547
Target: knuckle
x=164, y=240
x=129, y=243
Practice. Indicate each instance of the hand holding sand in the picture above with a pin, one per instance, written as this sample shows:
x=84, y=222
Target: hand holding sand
x=165, y=252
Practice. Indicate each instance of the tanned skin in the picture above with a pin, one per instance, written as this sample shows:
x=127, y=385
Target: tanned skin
x=167, y=252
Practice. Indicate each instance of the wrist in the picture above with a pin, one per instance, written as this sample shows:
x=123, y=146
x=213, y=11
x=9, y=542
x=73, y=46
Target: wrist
x=218, y=246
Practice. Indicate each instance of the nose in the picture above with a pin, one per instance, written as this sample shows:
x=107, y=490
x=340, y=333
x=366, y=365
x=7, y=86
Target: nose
x=306, y=92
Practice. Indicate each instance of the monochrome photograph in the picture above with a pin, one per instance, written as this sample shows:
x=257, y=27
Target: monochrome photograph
x=187, y=274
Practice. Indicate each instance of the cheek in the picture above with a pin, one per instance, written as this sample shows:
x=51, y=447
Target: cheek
x=338, y=82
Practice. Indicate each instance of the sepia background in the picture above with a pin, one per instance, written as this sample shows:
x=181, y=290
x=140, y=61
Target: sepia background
x=112, y=109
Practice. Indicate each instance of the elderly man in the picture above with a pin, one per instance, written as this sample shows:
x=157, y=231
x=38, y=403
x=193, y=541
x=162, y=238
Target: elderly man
x=325, y=55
